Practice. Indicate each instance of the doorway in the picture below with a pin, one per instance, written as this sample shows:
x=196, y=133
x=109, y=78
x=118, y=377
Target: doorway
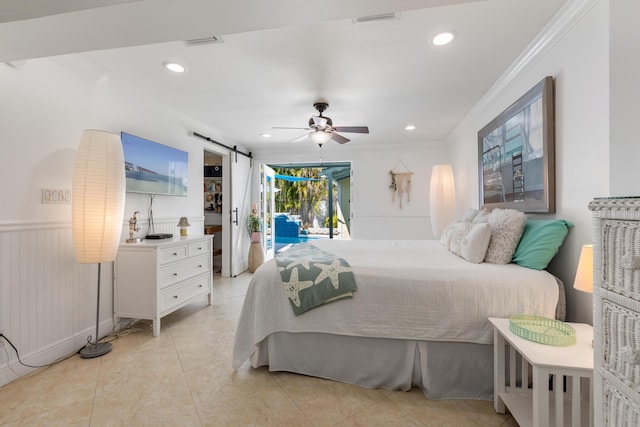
x=213, y=203
x=310, y=201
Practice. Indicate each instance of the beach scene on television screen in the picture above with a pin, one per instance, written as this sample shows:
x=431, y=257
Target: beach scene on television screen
x=155, y=168
x=512, y=158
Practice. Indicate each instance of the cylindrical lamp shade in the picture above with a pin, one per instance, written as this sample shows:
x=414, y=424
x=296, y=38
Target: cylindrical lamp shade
x=98, y=195
x=442, y=198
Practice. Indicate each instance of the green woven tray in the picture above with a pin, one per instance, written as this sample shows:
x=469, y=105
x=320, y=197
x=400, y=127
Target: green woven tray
x=543, y=330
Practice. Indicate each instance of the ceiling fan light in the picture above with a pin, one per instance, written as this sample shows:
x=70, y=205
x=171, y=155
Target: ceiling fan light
x=319, y=137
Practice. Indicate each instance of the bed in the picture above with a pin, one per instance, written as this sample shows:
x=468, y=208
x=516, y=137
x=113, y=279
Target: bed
x=418, y=318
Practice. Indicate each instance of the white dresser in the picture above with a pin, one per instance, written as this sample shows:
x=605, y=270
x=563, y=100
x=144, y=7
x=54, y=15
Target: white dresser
x=157, y=277
x=616, y=311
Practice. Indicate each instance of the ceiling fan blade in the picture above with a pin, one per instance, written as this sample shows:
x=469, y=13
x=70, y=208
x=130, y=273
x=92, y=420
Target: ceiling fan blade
x=300, y=138
x=339, y=138
x=282, y=127
x=352, y=129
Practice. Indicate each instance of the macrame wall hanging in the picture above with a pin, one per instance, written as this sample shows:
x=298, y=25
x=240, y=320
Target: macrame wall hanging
x=400, y=182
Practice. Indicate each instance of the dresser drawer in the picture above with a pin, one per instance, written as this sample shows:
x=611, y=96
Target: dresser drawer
x=173, y=253
x=180, y=271
x=199, y=248
x=621, y=343
x=619, y=410
x=621, y=265
x=181, y=293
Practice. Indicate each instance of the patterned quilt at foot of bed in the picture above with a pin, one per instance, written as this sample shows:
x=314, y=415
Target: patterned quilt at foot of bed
x=312, y=277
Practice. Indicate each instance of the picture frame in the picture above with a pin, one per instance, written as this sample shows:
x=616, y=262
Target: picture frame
x=516, y=154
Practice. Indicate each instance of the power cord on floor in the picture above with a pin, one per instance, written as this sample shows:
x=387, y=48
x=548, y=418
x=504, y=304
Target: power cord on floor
x=128, y=329
x=7, y=354
x=18, y=355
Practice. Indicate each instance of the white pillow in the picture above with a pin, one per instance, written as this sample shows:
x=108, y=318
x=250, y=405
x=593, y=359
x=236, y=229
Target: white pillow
x=507, y=226
x=482, y=216
x=445, y=237
x=470, y=241
x=469, y=215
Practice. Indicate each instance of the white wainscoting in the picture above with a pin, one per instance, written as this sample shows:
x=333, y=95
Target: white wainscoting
x=47, y=299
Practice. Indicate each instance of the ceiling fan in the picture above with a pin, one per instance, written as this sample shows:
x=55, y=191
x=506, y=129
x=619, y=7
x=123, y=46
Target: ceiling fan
x=322, y=129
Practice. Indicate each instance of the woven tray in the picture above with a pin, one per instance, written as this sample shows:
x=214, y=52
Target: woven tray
x=543, y=330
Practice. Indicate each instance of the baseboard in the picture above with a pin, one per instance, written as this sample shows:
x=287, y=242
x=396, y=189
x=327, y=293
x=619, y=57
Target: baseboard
x=14, y=370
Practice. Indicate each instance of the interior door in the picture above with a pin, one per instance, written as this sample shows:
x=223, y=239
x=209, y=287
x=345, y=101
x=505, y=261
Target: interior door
x=267, y=210
x=240, y=204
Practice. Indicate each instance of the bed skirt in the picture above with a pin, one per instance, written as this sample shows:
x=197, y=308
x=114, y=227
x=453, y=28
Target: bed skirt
x=443, y=370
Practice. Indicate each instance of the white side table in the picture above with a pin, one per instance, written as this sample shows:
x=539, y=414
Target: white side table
x=569, y=403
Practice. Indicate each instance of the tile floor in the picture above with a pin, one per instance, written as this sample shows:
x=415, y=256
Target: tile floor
x=184, y=378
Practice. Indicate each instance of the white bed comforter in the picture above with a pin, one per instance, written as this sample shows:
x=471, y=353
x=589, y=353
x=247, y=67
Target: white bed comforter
x=414, y=290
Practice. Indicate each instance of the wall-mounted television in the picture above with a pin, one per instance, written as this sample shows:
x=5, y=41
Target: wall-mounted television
x=154, y=168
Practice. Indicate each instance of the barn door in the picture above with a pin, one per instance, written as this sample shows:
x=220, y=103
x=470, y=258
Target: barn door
x=240, y=203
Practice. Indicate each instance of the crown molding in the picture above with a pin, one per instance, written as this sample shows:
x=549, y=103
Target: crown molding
x=566, y=18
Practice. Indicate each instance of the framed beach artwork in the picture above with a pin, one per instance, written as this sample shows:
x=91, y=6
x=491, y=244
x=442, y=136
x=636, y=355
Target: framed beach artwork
x=516, y=154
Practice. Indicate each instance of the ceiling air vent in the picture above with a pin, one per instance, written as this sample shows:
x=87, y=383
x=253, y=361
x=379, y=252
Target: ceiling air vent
x=381, y=17
x=204, y=40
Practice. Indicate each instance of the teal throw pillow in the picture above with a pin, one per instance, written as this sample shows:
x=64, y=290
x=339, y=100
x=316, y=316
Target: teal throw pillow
x=540, y=242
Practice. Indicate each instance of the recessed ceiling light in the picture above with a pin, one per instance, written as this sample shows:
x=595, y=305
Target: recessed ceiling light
x=175, y=67
x=266, y=135
x=443, y=38
x=410, y=127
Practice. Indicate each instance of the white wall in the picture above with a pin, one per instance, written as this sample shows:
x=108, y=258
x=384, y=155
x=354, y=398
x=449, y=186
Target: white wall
x=577, y=56
x=48, y=301
x=625, y=92
x=46, y=105
x=374, y=215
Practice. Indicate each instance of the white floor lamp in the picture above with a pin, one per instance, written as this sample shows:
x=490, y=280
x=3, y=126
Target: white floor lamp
x=98, y=194
x=442, y=198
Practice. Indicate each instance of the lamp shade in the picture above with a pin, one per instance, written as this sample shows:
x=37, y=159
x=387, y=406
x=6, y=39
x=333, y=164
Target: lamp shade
x=442, y=198
x=584, y=275
x=98, y=194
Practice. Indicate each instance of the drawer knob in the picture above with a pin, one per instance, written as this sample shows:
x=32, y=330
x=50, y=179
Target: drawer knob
x=175, y=254
x=199, y=286
x=631, y=262
x=175, y=274
x=631, y=356
x=175, y=296
x=199, y=265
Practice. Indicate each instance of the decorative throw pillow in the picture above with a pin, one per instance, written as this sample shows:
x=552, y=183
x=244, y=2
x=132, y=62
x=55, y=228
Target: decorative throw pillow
x=507, y=226
x=540, y=242
x=469, y=215
x=470, y=241
x=445, y=237
x=459, y=230
x=483, y=216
